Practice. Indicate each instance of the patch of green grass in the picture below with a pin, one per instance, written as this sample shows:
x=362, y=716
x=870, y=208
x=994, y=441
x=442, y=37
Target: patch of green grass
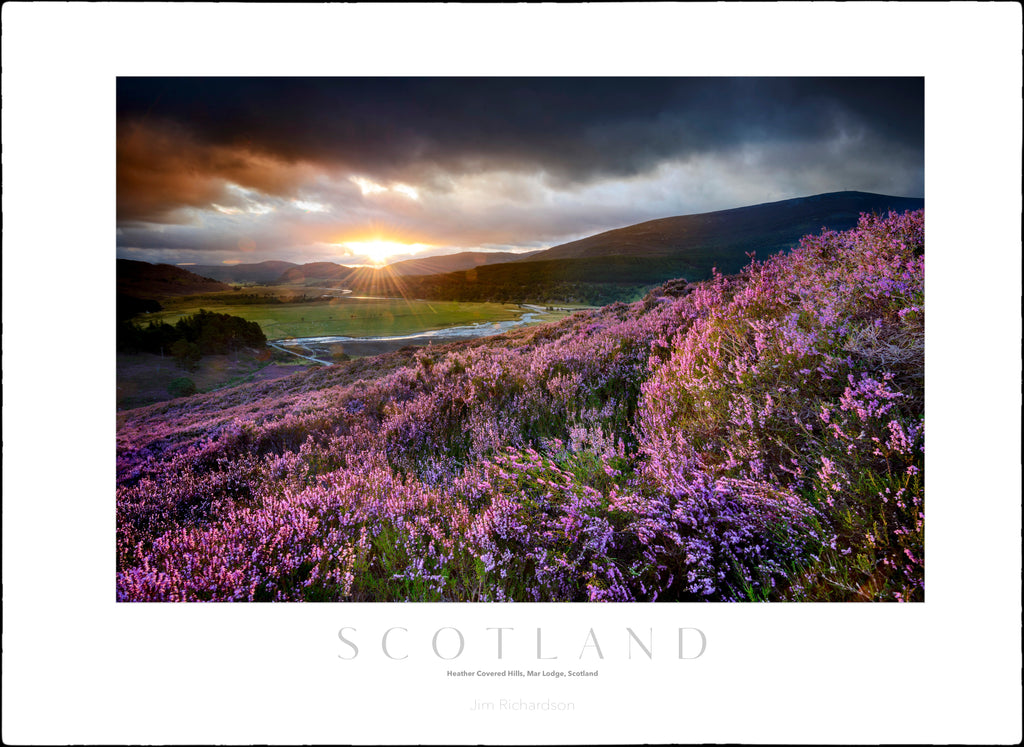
x=354, y=317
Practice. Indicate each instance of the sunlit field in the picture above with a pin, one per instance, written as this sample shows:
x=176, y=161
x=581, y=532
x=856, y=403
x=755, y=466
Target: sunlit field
x=353, y=317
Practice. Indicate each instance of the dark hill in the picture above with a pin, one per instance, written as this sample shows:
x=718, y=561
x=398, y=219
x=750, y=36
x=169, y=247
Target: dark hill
x=621, y=264
x=142, y=280
x=259, y=272
x=314, y=272
x=724, y=237
x=453, y=262
x=590, y=280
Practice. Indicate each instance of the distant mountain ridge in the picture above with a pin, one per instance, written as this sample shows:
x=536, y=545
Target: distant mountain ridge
x=454, y=262
x=314, y=272
x=258, y=272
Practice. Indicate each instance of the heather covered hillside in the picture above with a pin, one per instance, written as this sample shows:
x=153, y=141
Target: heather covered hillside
x=756, y=436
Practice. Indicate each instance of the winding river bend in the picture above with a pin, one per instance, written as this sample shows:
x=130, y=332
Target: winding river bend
x=321, y=349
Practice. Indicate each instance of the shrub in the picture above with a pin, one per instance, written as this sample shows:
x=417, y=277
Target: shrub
x=181, y=387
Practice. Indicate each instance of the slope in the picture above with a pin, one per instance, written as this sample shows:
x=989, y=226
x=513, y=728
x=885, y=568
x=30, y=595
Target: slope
x=453, y=262
x=144, y=280
x=259, y=272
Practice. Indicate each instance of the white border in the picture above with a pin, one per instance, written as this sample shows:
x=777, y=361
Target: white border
x=79, y=668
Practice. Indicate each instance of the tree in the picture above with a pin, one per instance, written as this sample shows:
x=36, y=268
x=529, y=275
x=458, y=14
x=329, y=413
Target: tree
x=187, y=353
x=219, y=333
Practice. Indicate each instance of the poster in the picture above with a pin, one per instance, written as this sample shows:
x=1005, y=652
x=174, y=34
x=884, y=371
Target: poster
x=78, y=667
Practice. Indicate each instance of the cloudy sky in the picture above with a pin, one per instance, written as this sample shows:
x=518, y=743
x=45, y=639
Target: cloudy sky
x=367, y=170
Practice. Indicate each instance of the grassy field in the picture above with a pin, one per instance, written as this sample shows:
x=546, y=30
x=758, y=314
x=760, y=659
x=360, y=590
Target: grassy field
x=353, y=317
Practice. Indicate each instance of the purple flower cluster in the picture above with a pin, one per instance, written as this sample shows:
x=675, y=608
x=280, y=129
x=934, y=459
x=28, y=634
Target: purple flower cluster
x=751, y=437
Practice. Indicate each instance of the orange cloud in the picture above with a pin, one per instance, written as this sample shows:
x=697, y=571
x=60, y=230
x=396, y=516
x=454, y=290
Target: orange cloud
x=162, y=169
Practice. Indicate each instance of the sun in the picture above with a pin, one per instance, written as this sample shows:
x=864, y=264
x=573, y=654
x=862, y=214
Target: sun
x=379, y=252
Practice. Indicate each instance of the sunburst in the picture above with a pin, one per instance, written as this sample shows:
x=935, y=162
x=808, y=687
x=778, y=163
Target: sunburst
x=379, y=251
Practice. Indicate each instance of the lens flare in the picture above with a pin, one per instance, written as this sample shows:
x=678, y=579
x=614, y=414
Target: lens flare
x=379, y=252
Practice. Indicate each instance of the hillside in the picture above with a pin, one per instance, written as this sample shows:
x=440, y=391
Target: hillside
x=453, y=262
x=725, y=236
x=259, y=272
x=756, y=436
x=621, y=265
x=142, y=280
x=312, y=273
x=617, y=265
x=593, y=281
x=374, y=278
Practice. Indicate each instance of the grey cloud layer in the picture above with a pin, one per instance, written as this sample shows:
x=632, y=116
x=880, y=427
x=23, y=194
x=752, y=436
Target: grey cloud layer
x=495, y=161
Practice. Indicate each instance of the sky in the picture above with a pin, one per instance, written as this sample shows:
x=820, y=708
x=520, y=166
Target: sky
x=373, y=170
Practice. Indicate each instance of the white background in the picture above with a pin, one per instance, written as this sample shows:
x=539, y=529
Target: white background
x=79, y=668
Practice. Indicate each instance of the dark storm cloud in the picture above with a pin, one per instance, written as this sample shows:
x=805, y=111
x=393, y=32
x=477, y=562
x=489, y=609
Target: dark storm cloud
x=381, y=125
x=164, y=167
x=180, y=140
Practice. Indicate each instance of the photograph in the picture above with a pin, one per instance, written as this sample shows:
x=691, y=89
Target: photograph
x=520, y=339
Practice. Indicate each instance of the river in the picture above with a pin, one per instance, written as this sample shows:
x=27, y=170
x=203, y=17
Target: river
x=321, y=349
